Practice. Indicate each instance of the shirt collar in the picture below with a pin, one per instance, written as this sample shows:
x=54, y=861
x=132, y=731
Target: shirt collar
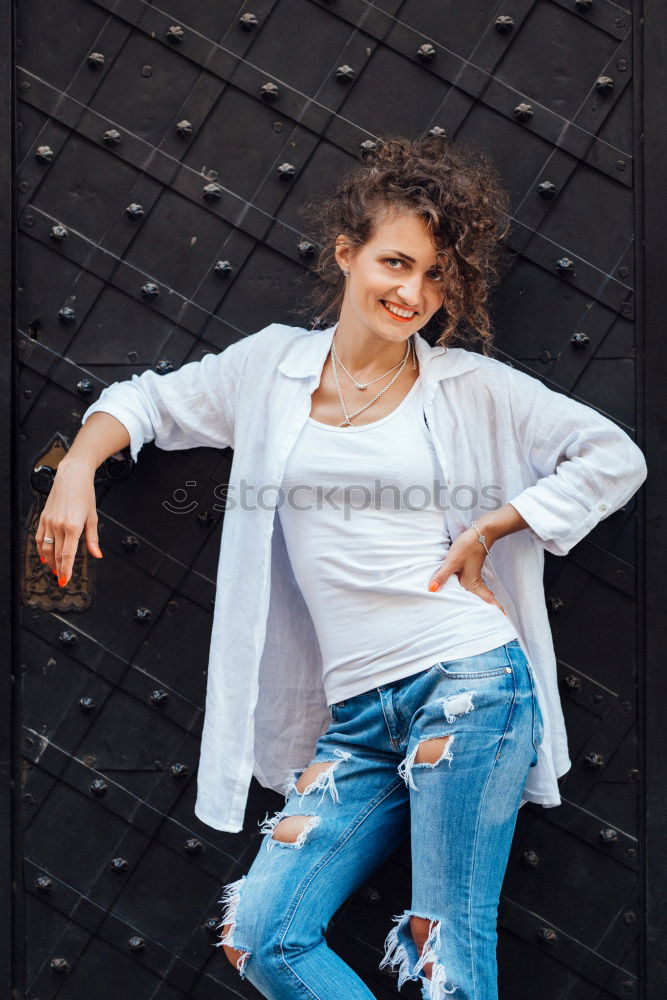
x=307, y=353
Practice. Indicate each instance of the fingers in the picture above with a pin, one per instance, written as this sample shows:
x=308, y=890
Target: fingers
x=45, y=540
x=486, y=594
x=92, y=539
x=57, y=547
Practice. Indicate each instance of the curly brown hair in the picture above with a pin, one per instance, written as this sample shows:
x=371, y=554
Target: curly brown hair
x=456, y=191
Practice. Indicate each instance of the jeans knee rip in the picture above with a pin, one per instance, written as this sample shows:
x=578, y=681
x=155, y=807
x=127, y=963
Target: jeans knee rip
x=401, y=952
x=406, y=766
x=323, y=783
x=269, y=823
x=230, y=898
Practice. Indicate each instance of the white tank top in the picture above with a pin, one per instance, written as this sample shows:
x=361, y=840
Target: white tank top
x=364, y=526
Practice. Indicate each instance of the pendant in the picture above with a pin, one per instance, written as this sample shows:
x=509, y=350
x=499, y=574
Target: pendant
x=362, y=385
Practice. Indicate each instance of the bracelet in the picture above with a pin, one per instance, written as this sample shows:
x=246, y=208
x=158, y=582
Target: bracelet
x=481, y=537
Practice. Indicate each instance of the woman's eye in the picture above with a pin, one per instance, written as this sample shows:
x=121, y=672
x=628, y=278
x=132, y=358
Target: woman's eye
x=437, y=275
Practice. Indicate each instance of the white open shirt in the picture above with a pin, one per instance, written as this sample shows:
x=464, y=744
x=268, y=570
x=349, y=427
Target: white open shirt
x=560, y=463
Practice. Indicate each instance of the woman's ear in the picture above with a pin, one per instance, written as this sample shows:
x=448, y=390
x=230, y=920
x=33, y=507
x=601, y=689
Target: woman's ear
x=343, y=252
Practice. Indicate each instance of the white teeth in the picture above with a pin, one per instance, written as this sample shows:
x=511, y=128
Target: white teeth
x=399, y=312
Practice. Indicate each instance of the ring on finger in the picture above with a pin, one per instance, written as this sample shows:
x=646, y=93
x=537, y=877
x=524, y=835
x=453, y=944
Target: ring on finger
x=48, y=541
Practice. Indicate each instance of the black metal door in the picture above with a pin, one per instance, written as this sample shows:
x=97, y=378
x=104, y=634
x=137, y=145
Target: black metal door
x=162, y=155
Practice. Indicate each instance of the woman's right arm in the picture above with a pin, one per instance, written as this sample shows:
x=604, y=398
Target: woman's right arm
x=194, y=406
x=70, y=507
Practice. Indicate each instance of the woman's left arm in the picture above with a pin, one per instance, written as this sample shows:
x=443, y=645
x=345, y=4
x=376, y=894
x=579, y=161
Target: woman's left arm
x=584, y=465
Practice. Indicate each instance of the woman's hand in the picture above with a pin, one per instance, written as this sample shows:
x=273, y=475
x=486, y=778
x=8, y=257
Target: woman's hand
x=465, y=558
x=70, y=508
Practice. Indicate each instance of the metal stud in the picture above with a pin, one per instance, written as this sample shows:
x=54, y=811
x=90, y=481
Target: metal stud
x=269, y=91
x=212, y=192
x=150, y=290
x=111, y=137
x=426, y=52
x=345, y=73
x=67, y=316
x=504, y=24
x=523, y=112
x=175, y=34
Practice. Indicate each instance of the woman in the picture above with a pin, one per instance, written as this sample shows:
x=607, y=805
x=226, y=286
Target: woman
x=358, y=655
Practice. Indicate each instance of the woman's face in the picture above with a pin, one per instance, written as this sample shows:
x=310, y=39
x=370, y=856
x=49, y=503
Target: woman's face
x=395, y=284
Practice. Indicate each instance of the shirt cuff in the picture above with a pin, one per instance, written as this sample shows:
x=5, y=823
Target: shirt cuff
x=128, y=419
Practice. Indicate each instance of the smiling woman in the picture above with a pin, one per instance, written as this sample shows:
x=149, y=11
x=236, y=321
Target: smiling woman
x=455, y=194
x=360, y=661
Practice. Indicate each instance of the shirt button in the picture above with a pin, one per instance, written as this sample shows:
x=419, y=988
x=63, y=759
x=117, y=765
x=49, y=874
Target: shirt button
x=603, y=506
x=508, y=670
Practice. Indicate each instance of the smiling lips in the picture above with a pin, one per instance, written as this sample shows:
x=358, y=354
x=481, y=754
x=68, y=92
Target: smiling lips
x=401, y=319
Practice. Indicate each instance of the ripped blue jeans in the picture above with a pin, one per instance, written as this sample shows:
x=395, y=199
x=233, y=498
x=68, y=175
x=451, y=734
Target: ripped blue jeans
x=442, y=755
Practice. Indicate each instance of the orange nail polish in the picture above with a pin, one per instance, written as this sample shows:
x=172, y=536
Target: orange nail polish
x=62, y=580
x=433, y=586
x=42, y=559
x=54, y=571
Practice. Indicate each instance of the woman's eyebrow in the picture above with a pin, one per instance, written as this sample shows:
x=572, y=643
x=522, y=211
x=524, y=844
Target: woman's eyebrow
x=399, y=253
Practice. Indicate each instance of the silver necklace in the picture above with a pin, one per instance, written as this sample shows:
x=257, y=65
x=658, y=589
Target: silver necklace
x=365, y=385
x=348, y=416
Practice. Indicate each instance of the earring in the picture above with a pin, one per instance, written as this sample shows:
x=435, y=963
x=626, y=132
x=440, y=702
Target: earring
x=346, y=272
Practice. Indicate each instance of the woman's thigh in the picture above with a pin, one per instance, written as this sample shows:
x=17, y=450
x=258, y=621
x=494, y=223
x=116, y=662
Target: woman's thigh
x=470, y=746
x=343, y=815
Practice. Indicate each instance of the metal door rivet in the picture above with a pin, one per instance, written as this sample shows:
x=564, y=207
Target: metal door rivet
x=67, y=316
x=504, y=24
x=212, y=192
x=222, y=268
x=580, y=341
x=546, y=189
x=426, y=52
x=111, y=137
x=150, y=290
x=269, y=91
x=547, y=935
x=523, y=112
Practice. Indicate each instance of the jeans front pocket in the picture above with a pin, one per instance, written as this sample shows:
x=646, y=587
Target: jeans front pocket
x=492, y=663
x=335, y=708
